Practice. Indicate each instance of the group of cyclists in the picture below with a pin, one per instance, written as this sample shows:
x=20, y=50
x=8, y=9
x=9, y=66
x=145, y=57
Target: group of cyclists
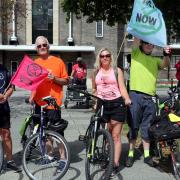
x=108, y=84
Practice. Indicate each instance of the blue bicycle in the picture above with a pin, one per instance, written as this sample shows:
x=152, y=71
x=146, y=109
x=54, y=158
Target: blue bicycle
x=46, y=154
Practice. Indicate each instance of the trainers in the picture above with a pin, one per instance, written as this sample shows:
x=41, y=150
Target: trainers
x=148, y=160
x=12, y=165
x=45, y=161
x=129, y=161
x=115, y=172
x=61, y=166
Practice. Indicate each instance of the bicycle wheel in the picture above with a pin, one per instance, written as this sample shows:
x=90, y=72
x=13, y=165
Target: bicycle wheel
x=99, y=164
x=53, y=164
x=175, y=158
x=1, y=155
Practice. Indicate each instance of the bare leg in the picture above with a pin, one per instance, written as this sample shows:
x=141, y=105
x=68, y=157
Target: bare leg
x=7, y=142
x=115, y=129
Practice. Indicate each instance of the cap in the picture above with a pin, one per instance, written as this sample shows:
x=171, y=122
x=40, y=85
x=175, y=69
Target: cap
x=79, y=59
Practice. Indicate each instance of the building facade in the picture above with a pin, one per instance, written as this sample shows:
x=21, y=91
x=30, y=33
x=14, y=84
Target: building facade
x=67, y=39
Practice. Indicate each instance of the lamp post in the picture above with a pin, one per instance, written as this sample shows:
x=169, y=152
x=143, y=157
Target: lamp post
x=70, y=38
x=13, y=38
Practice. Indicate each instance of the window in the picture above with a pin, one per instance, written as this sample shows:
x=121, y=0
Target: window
x=14, y=66
x=42, y=19
x=99, y=29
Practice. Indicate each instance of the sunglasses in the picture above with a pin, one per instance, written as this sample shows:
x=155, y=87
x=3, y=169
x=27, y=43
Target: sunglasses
x=42, y=45
x=105, y=56
x=146, y=43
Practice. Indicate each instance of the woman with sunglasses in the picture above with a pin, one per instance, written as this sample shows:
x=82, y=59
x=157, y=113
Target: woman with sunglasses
x=112, y=89
x=143, y=76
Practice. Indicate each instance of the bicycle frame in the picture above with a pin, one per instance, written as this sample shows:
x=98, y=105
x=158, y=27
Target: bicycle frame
x=96, y=126
x=42, y=128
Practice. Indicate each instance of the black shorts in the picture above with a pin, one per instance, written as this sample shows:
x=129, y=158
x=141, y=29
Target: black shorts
x=114, y=110
x=5, y=121
x=52, y=115
x=5, y=116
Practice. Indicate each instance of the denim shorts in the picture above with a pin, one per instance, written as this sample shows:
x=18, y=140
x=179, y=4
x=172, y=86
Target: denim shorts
x=114, y=110
x=143, y=112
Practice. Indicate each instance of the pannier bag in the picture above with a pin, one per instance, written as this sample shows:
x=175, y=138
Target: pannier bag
x=166, y=126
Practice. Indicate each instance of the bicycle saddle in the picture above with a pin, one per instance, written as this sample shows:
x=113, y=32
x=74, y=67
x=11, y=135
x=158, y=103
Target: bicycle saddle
x=59, y=126
x=173, y=117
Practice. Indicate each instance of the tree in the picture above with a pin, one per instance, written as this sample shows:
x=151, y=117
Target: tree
x=116, y=11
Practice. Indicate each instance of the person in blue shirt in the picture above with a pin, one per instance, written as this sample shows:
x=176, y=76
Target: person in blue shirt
x=5, y=92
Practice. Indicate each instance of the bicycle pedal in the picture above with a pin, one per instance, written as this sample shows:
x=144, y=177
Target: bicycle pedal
x=82, y=137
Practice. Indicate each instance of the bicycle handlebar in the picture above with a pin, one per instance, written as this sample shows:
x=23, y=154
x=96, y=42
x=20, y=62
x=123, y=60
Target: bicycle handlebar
x=71, y=88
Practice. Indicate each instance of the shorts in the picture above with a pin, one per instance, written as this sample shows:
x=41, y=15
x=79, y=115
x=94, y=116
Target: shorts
x=53, y=116
x=5, y=116
x=113, y=110
x=143, y=112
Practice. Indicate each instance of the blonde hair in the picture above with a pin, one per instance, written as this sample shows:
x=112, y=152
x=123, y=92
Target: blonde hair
x=97, y=63
x=41, y=38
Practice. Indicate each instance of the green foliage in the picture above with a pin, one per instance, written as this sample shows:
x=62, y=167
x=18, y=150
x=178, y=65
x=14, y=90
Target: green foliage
x=116, y=11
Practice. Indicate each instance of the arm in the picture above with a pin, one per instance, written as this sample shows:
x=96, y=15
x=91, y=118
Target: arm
x=166, y=60
x=72, y=73
x=4, y=97
x=122, y=87
x=60, y=81
x=93, y=82
x=33, y=93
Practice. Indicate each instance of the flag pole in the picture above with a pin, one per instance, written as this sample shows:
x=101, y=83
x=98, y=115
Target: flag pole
x=125, y=34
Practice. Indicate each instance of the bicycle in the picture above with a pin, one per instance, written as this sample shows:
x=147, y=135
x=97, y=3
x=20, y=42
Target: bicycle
x=46, y=154
x=99, y=144
x=28, y=127
x=165, y=144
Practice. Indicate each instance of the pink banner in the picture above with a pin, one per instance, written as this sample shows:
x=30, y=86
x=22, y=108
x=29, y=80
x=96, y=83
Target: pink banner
x=29, y=74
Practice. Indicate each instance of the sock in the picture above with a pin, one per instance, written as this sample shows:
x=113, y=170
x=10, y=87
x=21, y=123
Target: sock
x=131, y=153
x=146, y=153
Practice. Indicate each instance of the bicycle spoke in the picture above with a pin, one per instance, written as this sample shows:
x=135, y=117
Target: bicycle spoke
x=100, y=161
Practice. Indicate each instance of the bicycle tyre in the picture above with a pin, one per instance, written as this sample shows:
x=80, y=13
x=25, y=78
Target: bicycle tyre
x=37, y=166
x=176, y=164
x=1, y=155
x=103, y=156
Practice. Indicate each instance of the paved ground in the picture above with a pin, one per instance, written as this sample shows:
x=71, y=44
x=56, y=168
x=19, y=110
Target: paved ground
x=78, y=121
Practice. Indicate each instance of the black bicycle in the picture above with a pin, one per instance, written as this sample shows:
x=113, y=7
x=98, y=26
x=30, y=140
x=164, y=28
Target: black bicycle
x=99, y=144
x=46, y=154
x=165, y=131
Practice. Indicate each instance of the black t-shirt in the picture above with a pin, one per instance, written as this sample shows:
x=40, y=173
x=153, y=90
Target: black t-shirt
x=4, y=82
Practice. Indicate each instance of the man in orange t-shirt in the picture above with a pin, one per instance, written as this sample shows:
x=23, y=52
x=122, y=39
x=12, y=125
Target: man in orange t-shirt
x=53, y=84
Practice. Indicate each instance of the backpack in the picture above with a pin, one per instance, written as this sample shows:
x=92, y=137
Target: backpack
x=163, y=129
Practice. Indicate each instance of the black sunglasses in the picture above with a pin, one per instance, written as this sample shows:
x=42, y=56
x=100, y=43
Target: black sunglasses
x=103, y=56
x=42, y=45
x=144, y=42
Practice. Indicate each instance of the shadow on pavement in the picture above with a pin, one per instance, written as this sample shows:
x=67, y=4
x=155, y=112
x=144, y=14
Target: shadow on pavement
x=75, y=148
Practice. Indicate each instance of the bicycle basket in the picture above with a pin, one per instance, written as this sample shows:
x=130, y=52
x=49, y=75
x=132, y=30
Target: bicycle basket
x=58, y=126
x=24, y=125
